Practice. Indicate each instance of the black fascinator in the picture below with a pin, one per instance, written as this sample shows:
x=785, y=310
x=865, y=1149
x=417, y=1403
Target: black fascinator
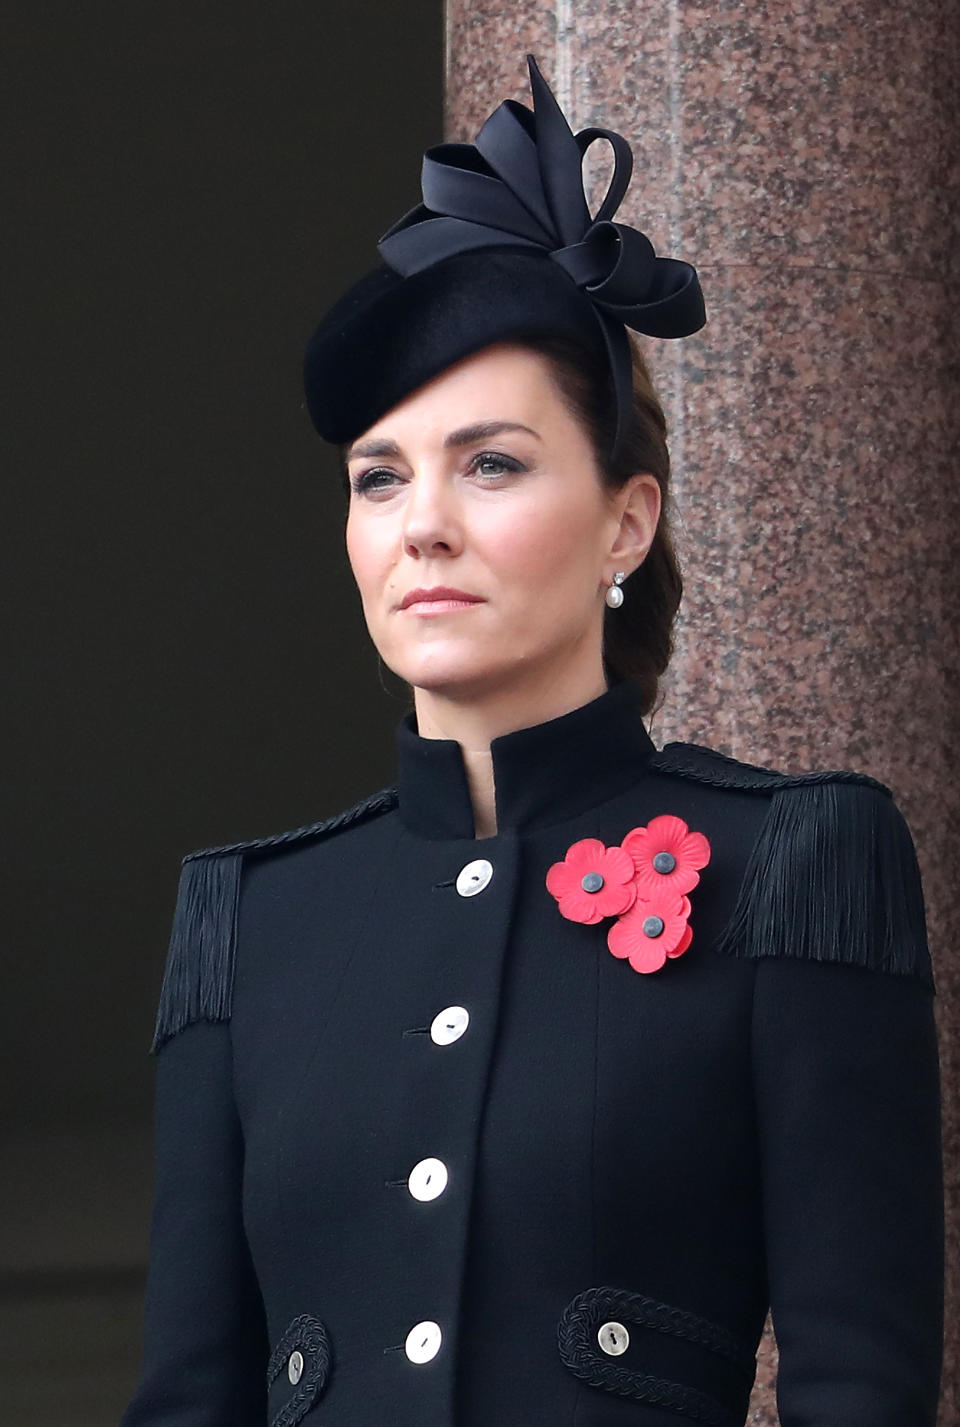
x=502, y=246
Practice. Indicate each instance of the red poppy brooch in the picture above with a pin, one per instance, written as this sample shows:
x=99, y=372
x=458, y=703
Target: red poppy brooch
x=643, y=883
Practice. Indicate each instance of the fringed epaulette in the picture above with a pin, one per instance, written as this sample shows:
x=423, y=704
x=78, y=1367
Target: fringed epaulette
x=198, y=980
x=833, y=875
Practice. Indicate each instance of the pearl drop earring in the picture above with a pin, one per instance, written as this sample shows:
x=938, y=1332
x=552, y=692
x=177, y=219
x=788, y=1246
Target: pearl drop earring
x=614, y=595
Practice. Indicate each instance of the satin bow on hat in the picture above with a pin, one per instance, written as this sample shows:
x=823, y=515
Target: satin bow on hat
x=521, y=185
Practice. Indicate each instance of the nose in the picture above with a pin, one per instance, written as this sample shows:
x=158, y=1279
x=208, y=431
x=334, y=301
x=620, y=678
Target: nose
x=431, y=522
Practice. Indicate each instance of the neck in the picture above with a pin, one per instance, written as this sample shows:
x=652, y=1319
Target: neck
x=474, y=724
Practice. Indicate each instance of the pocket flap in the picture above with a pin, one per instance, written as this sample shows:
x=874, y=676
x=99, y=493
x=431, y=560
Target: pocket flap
x=298, y=1370
x=656, y=1353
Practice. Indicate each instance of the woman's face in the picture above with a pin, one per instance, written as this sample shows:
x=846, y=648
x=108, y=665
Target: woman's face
x=479, y=533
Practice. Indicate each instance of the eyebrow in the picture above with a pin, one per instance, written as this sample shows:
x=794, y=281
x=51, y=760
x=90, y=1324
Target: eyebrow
x=465, y=436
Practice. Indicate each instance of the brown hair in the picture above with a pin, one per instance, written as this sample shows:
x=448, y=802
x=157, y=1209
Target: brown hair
x=637, y=637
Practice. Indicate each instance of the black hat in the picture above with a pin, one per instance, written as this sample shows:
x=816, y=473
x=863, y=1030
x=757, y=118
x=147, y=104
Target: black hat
x=503, y=246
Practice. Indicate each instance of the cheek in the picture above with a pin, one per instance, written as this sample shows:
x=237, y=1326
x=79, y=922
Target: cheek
x=547, y=546
x=368, y=550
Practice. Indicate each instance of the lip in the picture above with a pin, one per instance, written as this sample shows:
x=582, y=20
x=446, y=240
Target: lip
x=442, y=597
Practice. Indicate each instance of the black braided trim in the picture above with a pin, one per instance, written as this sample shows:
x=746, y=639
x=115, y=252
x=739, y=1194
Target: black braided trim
x=369, y=807
x=308, y=1335
x=717, y=770
x=576, y=1337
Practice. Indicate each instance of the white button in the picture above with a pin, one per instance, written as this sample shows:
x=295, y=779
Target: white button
x=449, y=1025
x=613, y=1339
x=423, y=1342
x=295, y=1366
x=427, y=1180
x=474, y=877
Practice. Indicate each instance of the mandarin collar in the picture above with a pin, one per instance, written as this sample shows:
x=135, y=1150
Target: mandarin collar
x=543, y=774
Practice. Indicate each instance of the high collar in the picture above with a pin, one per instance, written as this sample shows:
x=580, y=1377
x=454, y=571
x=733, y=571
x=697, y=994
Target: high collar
x=543, y=774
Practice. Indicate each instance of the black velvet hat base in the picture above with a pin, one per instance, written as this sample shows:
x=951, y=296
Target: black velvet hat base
x=388, y=335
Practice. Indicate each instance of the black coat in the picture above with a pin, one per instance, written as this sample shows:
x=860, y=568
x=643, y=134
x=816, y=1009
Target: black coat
x=755, y=1123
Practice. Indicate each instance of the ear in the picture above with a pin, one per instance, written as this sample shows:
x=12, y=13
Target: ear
x=638, y=505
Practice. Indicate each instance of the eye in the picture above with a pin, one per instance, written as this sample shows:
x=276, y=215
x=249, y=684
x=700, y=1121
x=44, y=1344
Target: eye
x=495, y=463
x=373, y=481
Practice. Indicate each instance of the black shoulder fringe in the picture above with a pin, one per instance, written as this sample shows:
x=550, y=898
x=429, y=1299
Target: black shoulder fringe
x=833, y=876
x=198, y=980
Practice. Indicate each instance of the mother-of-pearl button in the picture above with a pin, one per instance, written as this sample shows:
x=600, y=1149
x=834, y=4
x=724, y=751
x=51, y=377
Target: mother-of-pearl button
x=449, y=1025
x=427, y=1180
x=474, y=877
x=423, y=1342
x=613, y=1339
x=295, y=1366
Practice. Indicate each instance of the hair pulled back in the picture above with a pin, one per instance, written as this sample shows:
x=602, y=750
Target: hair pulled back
x=637, y=637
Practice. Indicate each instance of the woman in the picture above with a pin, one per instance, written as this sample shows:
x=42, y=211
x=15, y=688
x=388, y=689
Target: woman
x=518, y=1092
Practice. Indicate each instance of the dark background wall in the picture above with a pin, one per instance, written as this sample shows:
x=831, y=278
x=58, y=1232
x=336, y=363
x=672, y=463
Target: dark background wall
x=187, y=186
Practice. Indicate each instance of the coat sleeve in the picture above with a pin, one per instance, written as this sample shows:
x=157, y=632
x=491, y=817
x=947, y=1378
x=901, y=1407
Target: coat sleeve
x=205, y=1341
x=847, y=1093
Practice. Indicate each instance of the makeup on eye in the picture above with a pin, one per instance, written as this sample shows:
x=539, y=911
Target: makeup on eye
x=367, y=481
x=371, y=480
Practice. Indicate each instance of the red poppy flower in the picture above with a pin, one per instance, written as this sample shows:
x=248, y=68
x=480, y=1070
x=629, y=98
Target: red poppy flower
x=592, y=882
x=652, y=930
x=684, y=942
x=667, y=856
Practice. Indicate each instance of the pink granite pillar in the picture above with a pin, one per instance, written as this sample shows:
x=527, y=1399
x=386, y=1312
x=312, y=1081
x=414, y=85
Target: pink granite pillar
x=803, y=154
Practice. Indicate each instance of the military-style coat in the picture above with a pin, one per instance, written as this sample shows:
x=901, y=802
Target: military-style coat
x=429, y=1153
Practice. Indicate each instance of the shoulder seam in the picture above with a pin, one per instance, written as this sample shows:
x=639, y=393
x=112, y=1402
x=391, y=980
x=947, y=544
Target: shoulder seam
x=371, y=806
x=718, y=770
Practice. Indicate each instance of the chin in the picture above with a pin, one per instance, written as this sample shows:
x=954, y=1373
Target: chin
x=458, y=676
x=456, y=683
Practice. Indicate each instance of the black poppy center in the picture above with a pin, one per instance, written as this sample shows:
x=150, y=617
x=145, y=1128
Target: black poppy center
x=664, y=862
x=652, y=926
x=592, y=882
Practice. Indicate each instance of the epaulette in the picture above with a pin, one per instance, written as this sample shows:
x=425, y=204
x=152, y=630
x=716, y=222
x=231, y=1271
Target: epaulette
x=833, y=875
x=198, y=980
